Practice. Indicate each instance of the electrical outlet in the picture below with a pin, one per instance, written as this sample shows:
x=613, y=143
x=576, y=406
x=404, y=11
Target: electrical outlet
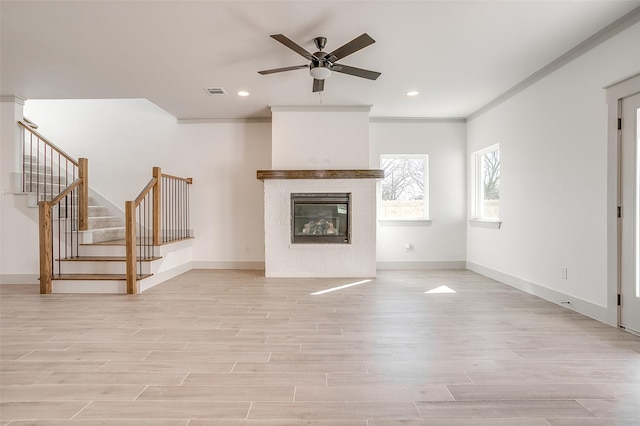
x=563, y=272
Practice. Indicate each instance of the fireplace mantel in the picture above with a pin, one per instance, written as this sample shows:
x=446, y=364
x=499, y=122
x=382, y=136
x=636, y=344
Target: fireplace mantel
x=320, y=174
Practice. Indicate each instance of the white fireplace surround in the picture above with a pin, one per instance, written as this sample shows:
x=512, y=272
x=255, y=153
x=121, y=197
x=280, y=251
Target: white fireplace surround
x=284, y=259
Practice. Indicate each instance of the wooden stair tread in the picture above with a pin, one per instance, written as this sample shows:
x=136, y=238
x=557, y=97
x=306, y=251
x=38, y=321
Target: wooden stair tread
x=122, y=242
x=105, y=259
x=97, y=277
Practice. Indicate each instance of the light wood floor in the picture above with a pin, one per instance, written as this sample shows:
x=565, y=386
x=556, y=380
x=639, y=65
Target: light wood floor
x=234, y=348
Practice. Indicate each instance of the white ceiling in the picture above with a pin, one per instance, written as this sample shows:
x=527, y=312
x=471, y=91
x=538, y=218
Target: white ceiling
x=459, y=54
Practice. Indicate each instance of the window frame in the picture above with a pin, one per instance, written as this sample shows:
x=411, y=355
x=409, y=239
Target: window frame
x=477, y=187
x=425, y=218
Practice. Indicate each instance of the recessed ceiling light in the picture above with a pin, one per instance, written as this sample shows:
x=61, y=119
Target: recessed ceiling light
x=243, y=93
x=412, y=93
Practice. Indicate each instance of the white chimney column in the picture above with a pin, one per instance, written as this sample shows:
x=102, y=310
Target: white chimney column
x=320, y=137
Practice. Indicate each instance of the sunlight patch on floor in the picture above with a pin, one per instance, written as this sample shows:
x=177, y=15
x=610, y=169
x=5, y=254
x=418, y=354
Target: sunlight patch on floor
x=439, y=290
x=317, y=293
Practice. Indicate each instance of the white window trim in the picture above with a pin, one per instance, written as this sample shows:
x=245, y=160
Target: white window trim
x=477, y=190
x=413, y=220
x=486, y=223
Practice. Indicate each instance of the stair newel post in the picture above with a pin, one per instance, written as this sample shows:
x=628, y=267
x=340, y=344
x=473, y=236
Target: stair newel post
x=130, y=238
x=46, y=247
x=83, y=194
x=157, y=175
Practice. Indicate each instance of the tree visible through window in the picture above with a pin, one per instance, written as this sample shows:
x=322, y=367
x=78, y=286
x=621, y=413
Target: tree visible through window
x=487, y=187
x=403, y=187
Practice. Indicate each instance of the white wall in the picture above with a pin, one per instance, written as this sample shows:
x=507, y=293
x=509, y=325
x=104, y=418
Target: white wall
x=227, y=199
x=124, y=139
x=553, y=141
x=442, y=242
x=18, y=223
x=320, y=137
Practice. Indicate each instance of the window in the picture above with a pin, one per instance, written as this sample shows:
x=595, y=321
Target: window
x=486, y=184
x=404, y=189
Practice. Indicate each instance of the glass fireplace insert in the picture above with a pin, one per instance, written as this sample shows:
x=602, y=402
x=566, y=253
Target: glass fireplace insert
x=321, y=218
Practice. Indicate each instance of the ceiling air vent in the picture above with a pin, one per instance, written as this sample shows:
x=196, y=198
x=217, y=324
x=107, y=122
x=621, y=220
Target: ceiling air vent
x=214, y=91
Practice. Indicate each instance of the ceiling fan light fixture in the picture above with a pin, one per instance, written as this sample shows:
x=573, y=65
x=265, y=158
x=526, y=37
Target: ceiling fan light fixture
x=320, y=72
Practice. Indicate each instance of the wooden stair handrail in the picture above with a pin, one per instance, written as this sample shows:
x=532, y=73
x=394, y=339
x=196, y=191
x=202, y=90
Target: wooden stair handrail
x=45, y=234
x=65, y=191
x=130, y=235
x=48, y=142
x=145, y=191
x=187, y=180
x=154, y=186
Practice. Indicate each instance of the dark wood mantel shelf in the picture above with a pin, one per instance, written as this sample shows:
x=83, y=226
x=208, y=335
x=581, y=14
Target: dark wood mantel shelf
x=320, y=174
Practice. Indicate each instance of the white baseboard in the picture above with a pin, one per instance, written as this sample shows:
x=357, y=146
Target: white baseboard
x=159, y=278
x=426, y=264
x=228, y=265
x=19, y=279
x=581, y=306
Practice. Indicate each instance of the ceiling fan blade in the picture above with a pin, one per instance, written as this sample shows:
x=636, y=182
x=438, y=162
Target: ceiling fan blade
x=318, y=85
x=358, y=72
x=353, y=46
x=295, y=67
x=293, y=46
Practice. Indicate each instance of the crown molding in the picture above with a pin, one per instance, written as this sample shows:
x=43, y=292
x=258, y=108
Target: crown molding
x=223, y=120
x=417, y=120
x=12, y=98
x=598, y=38
x=322, y=108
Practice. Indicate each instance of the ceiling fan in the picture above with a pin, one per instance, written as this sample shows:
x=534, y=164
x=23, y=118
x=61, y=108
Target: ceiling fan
x=322, y=63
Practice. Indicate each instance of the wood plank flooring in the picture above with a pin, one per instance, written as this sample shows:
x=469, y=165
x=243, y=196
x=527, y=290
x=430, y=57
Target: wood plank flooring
x=212, y=348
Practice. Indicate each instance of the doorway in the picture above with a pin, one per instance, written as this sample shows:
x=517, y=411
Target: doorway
x=629, y=223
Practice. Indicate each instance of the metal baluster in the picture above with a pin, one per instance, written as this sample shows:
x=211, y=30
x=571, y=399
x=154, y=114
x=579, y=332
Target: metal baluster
x=175, y=207
x=59, y=174
x=37, y=168
x=47, y=166
x=73, y=227
x=181, y=186
x=165, y=209
x=138, y=233
x=149, y=223
x=147, y=204
x=31, y=163
x=24, y=155
x=188, y=213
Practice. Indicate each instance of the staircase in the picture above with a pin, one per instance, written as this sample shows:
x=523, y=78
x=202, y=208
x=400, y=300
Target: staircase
x=87, y=247
x=100, y=266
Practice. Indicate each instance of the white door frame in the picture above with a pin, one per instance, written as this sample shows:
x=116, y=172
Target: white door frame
x=615, y=93
x=630, y=305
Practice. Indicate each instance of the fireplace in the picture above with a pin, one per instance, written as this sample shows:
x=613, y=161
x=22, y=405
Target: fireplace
x=321, y=218
x=350, y=255
x=299, y=191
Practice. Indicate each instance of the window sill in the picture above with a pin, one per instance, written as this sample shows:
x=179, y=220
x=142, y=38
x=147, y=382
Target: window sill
x=485, y=223
x=405, y=222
